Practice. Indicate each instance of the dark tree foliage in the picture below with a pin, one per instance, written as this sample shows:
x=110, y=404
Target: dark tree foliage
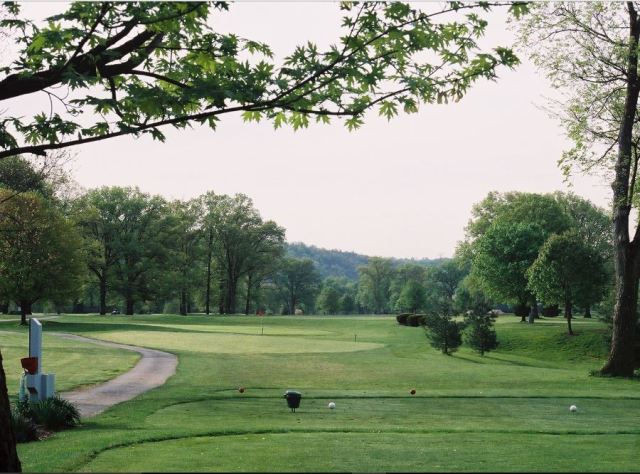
x=443, y=332
x=479, y=333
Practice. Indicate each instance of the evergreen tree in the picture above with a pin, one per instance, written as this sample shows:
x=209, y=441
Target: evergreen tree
x=443, y=332
x=480, y=334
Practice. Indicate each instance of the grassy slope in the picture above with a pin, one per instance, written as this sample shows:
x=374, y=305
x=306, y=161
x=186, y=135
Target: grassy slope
x=496, y=412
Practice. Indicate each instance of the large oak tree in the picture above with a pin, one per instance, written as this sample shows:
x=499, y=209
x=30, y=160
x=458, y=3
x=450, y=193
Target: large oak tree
x=590, y=53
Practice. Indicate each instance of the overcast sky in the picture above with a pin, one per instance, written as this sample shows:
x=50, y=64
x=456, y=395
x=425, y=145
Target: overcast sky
x=403, y=188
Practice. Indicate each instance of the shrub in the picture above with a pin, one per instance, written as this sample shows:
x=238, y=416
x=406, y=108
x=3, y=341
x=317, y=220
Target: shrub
x=55, y=413
x=402, y=318
x=521, y=310
x=415, y=320
x=551, y=311
x=24, y=428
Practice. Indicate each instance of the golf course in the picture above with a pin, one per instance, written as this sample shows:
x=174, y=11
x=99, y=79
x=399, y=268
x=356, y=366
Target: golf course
x=505, y=411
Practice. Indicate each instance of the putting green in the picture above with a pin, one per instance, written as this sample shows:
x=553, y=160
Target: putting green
x=375, y=452
x=233, y=343
x=238, y=329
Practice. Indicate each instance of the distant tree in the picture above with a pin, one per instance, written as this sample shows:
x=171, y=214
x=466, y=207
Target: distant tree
x=242, y=243
x=566, y=269
x=19, y=175
x=141, y=245
x=443, y=332
x=413, y=297
x=503, y=255
x=328, y=300
x=298, y=282
x=40, y=252
x=98, y=215
x=441, y=282
x=347, y=303
x=593, y=226
x=184, y=270
x=405, y=273
x=541, y=210
x=374, y=284
x=469, y=296
x=479, y=333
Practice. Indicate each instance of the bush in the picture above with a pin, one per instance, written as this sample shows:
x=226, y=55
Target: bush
x=521, y=310
x=551, y=311
x=416, y=320
x=24, y=428
x=55, y=413
x=402, y=318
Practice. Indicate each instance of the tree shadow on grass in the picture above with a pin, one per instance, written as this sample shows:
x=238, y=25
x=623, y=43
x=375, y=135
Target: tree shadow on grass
x=78, y=327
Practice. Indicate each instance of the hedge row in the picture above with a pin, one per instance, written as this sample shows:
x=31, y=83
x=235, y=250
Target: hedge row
x=409, y=319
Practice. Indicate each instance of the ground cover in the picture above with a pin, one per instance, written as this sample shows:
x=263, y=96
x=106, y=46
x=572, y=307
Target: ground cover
x=499, y=411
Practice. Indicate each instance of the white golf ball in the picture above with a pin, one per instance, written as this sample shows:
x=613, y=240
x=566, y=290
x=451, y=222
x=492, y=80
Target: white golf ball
x=573, y=408
x=332, y=405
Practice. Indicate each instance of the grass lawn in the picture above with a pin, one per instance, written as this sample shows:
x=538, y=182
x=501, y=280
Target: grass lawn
x=507, y=411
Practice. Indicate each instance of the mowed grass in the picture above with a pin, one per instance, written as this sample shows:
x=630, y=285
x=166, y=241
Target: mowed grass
x=507, y=411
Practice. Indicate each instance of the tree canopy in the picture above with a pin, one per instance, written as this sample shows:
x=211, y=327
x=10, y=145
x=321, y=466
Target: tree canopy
x=131, y=68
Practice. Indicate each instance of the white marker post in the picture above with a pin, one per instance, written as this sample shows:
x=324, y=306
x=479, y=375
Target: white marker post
x=40, y=386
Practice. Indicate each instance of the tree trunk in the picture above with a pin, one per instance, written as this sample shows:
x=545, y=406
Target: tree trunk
x=587, y=311
x=621, y=355
x=533, y=312
x=25, y=309
x=129, y=310
x=103, y=296
x=221, y=302
x=568, y=313
x=207, y=298
x=232, y=288
x=9, y=461
x=248, y=300
x=183, y=302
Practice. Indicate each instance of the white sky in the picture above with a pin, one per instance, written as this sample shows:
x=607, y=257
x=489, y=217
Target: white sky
x=403, y=188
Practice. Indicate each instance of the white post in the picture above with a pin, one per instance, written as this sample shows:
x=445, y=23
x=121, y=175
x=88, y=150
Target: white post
x=35, y=341
x=40, y=386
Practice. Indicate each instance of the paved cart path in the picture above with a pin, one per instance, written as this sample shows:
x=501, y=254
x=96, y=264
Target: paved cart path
x=151, y=371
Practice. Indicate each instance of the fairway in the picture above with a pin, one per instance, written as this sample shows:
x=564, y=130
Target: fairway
x=507, y=411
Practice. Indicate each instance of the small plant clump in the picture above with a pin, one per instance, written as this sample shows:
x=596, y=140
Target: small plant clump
x=24, y=428
x=402, y=318
x=54, y=413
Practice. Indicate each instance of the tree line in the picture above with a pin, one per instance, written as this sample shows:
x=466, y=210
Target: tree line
x=120, y=248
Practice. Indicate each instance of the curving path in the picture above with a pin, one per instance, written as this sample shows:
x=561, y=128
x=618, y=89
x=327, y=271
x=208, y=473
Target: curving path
x=151, y=371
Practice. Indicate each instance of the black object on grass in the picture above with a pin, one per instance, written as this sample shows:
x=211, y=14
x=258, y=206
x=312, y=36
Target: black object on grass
x=293, y=399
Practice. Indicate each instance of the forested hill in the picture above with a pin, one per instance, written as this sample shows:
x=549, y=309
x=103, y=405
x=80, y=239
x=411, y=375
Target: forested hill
x=342, y=264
